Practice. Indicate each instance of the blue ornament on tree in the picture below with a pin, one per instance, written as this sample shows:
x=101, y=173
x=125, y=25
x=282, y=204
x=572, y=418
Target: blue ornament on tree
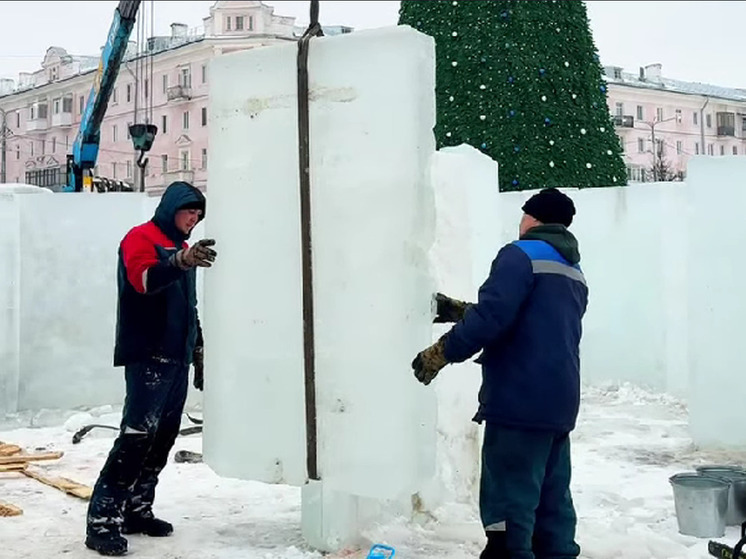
x=511, y=112
x=542, y=71
x=516, y=148
x=603, y=89
x=515, y=182
x=504, y=15
x=547, y=121
x=510, y=79
x=483, y=59
x=484, y=145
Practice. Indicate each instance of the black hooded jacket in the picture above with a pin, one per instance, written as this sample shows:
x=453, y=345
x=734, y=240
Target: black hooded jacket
x=157, y=305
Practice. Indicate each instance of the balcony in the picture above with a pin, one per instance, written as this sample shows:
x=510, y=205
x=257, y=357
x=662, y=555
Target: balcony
x=726, y=130
x=62, y=119
x=624, y=121
x=172, y=176
x=37, y=124
x=179, y=93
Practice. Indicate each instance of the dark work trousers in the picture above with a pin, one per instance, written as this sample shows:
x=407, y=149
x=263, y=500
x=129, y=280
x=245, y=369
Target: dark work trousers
x=525, y=501
x=156, y=393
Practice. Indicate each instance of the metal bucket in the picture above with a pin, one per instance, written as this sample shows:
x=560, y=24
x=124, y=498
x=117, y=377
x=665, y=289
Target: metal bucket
x=701, y=504
x=736, y=514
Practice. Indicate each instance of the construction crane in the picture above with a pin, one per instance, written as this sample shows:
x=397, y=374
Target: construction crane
x=86, y=146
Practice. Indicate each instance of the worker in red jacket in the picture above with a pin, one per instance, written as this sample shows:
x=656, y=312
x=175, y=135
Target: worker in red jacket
x=158, y=336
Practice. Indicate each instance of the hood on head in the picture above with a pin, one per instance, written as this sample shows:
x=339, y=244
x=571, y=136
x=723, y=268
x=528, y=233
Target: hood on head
x=178, y=195
x=558, y=237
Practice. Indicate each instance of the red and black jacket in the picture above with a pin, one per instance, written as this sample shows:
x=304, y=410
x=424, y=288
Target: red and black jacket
x=157, y=305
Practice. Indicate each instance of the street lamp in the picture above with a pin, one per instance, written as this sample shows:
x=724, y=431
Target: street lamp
x=652, y=126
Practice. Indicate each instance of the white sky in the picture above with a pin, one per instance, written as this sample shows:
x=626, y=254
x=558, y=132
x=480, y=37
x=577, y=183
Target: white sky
x=695, y=41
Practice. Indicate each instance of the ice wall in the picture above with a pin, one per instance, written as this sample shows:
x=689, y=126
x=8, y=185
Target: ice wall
x=716, y=300
x=373, y=221
x=58, y=297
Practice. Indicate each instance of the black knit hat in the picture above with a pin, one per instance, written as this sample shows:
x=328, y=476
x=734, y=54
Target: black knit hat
x=550, y=206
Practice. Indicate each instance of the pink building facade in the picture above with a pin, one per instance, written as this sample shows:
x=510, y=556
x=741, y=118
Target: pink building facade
x=165, y=82
x=682, y=119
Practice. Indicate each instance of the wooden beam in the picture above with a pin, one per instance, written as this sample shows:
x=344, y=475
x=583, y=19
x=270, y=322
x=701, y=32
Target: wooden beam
x=63, y=484
x=20, y=458
x=7, y=509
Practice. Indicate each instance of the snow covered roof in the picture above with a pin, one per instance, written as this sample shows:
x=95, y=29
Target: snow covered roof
x=615, y=75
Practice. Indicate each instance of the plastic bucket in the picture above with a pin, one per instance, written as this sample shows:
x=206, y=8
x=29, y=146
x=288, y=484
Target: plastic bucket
x=701, y=504
x=736, y=514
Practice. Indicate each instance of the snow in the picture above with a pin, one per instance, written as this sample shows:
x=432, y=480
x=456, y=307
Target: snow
x=627, y=444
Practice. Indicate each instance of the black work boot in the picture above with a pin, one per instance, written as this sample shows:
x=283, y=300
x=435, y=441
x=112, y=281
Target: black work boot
x=109, y=543
x=497, y=546
x=148, y=525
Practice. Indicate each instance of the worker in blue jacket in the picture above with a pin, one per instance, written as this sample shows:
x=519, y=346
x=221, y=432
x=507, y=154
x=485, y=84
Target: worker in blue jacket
x=527, y=324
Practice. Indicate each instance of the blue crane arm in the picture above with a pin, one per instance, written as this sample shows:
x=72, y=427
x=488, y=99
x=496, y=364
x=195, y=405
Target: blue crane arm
x=86, y=145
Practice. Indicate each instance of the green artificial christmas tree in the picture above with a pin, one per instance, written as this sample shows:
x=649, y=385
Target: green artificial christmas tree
x=521, y=81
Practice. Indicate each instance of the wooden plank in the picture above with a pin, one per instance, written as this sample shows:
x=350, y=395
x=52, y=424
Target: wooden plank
x=9, y=449
x=20, y=458
x=12, y=467
x=63, y=484
x=6, y=509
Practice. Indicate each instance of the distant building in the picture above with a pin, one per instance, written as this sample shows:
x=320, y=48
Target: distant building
x=43, y=110
x=686, y=118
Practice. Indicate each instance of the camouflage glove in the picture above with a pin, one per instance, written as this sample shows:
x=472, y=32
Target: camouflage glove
x=449, y=310
x=429, y=362
x=198, y=360
x=200, y=254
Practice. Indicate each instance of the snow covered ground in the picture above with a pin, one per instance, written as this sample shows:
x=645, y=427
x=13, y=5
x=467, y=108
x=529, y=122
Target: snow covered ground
x=627, y=444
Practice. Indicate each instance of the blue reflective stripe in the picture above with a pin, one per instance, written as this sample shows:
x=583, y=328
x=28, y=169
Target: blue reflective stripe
x=541, y=250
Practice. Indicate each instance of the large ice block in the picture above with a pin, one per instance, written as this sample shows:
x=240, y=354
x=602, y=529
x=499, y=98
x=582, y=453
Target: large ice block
x=716, y=300
x=371, y=118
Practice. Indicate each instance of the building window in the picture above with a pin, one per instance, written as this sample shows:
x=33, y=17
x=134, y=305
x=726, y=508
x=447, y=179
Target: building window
x=54, y=145
x=679, y=148
x=621, y=143
x=726, y=124
x=678, y=115
x=228, y=23
x=694, y=118
x=114, y=170
x=185, y=120
x=710, y=150
x=18, y=153
x=204, y=158
x=735, y=150
x=619, y=109
x=184, y=159
x=57, y=106
x=722, y=150
x=165, y=83
x=185, y=77
x=164, y=124
x=114, y=135
x=43, y=147
x=147, y=88
x=640, y=145
x=639, y=112
x=709, y=121
x=204, y=73
x=129, y=136
x=743, y=124
x=251, y=23
x=204, y=116
x=696, y=148
x=129, y=169
x=82, y=105
x=18, y=120
x=129, y=92
x=239, y=23
x=659, y=114
x=164, y=164
x=67, y=143
x=32, y=148
x=67, y=105
x=114, y=95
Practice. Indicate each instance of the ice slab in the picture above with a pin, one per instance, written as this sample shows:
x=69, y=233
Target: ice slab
x=371, y=119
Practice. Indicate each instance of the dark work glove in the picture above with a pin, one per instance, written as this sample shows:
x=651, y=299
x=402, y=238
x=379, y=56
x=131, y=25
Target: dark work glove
x=429, y=362
x=198, y=360
x=199, y=254
x=449, y=310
